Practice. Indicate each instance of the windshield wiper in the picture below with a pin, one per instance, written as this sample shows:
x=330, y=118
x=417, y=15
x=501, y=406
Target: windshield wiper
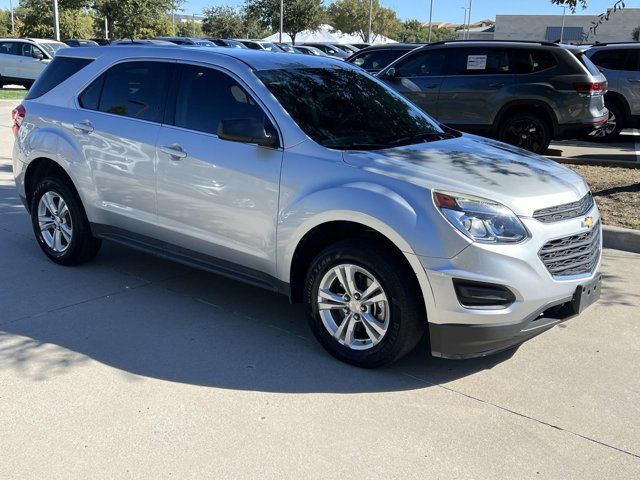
x=420, y=137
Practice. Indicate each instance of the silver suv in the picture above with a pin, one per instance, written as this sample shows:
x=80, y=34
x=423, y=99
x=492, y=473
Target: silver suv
x=522, y=93
x=620, y=63
x=308, y=177
x=23, y=59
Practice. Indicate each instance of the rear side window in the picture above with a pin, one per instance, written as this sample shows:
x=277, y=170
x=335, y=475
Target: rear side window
x=207, y=96
x=130, y=89
x=588, y=64
x=532, y=61
x=621, y=59
x=55, y=73
x=422, y=64
x=377, y=60
x=9, y=48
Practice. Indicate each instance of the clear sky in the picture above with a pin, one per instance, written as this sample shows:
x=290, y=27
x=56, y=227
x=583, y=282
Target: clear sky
x=448, y=10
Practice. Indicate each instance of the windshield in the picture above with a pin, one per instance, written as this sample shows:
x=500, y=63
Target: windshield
x=345, y=109
x=271, y=47
x=52, y=47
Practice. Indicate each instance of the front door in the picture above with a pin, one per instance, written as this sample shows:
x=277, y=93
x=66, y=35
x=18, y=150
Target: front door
x=419, y=78
x=216, y=197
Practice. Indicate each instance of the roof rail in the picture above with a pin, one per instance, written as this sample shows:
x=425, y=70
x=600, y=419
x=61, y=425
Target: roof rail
x=630, y=42
x=533, y=42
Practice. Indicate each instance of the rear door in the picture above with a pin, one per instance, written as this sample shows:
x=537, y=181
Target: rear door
x=621, y=66
x=9, y=59
x=217, y=197
x=419, y=77
x=116, y=127
x=630, y=81
x=479, y=80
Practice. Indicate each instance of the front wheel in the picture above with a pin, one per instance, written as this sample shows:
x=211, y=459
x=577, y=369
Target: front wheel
x=362, y=304
x=527, y=131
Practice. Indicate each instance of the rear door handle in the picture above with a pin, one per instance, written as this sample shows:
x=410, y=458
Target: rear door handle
x=433, y=85
x=174, y=150
x=83, y=126
x=496, y=85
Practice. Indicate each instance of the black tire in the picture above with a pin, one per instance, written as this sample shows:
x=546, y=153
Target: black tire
x=527, y=131
x=83, y=245
x=605, y=133
x=407, y=317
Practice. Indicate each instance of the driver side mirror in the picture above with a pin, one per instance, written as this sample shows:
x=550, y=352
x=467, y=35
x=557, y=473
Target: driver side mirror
x=248, y=130
x=37, y=54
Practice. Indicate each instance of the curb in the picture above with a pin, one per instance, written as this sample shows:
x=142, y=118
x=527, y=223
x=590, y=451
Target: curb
x=621, y=239
x=595, y=161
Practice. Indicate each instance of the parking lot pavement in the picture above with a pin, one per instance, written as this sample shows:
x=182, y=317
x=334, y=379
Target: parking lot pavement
x=134, y=367
x=625, y=150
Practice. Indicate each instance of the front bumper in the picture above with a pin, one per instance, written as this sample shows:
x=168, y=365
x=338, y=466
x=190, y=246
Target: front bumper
x=541, y=300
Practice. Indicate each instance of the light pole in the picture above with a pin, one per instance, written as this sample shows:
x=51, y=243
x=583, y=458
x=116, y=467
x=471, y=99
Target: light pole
x=564, y=12
x=193, y=19
x=469, y=23
x=106, y=28
x=13, y=25
x=56, y=21
x=370, y=20
x=281, y=18
x=464, y=31
x=430, y=19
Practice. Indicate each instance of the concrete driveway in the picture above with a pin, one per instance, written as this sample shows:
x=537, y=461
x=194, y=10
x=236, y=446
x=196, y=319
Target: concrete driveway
x=135, y=367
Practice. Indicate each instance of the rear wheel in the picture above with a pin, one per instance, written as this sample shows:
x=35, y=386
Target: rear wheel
x=60, y=223
x=362, y=305
x=527, y=131
x=610, y=130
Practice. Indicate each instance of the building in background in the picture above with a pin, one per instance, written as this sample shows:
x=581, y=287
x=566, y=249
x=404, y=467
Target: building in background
x=619, y=28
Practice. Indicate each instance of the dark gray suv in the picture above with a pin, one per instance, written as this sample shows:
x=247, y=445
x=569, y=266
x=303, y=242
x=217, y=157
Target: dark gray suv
x=522, y=93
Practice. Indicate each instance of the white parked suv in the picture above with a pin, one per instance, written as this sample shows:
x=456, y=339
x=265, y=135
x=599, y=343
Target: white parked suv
x=23, y=59
x=307, y=176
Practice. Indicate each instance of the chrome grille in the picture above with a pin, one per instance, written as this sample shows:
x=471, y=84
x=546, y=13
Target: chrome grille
x=574, y=255
x=565, y=211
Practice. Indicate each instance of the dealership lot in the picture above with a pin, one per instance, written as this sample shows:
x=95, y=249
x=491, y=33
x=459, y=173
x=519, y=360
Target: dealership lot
x=135, y=367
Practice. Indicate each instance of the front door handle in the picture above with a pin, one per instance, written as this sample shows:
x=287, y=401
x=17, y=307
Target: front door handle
x=174, y=150
x=432, y=85
x=496, y=85
x=83, y=126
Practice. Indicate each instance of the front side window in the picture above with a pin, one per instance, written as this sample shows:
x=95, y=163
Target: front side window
x=28, y=50
x=346, y=109
x=377, y=60
x=130, y=89
x=422, y=64
x=207, y=96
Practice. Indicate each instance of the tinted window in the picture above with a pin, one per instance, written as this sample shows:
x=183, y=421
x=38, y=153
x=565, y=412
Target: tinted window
x=531, y=61
x=422, y=64
x=90, y=98
x=377, y=60
x=207, y=96
x=341, y=108
x=588, y=64
x=55, y=73
x=132, y=89
x=615, y=59
x=9, y=48
x=478, y=61
x=27, y=50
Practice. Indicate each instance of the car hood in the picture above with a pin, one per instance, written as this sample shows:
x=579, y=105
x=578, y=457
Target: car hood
x=521, y=180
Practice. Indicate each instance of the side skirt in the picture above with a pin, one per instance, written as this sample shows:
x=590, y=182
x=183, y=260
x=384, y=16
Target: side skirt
x=191, y=258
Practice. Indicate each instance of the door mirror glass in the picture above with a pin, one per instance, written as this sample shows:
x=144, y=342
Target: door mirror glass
x=37, y=54
x=247, y=130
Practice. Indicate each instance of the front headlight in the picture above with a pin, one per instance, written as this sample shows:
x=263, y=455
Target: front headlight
x=480, y=219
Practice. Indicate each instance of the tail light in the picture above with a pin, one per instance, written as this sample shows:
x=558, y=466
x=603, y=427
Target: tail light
x=17, y=115
x=590, y=88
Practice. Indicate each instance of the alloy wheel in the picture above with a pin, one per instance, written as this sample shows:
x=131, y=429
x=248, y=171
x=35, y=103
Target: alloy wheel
x=353, y=306
x=525, y=134
x=607, y=128
x=54, y=220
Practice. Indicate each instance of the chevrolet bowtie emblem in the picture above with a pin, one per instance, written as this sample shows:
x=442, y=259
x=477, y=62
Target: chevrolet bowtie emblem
x=588, y=222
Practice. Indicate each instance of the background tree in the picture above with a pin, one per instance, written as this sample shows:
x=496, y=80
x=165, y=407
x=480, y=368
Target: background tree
x=299, y=15
x=352, y=16
x=636, y=34
x=415, y=31
x=134, y=18
x=223, y=22
x=186, y=29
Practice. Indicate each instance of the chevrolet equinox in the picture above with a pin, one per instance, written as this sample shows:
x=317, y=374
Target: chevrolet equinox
x=309, y=177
